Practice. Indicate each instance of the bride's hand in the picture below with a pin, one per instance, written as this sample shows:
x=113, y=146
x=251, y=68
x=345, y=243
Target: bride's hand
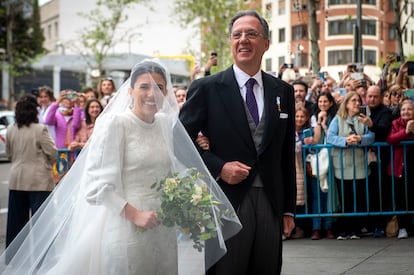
x=143, y=219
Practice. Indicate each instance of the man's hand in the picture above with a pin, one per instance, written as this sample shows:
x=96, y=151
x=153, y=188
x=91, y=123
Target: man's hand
x=366, y=120
x=234, y=172
x=288, y=225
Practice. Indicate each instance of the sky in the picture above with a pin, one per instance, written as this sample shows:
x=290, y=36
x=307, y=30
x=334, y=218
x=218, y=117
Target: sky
x=159, y=34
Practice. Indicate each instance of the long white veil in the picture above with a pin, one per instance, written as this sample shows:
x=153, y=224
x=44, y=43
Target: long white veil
x=69, y=228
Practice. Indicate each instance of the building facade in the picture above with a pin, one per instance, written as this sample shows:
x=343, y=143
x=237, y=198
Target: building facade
x=290, y=39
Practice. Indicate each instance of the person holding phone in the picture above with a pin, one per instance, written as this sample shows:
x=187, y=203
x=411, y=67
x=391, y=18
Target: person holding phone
x=403, y=77
x=345, y=131
x=325, y=111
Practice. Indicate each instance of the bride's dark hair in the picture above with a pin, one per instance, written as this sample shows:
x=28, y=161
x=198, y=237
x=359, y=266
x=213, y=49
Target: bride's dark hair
x=147, y=67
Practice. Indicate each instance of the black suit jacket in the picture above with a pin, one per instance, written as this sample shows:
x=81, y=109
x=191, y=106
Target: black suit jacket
x=215, y=107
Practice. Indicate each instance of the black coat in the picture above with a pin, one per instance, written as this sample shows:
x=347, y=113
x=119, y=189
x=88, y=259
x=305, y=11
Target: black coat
x=215, y=107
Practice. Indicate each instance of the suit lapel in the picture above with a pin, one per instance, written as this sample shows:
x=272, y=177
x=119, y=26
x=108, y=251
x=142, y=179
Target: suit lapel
x=271, y=92
x=234, y=105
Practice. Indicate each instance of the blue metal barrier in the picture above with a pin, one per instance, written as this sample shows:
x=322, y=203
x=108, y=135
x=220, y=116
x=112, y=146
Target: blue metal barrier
x=379, y=188
x=65, y=158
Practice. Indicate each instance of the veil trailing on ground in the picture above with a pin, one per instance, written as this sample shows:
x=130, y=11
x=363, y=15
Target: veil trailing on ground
x=68, y=231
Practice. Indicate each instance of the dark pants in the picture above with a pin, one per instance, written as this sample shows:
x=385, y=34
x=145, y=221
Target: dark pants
x=348, y=198
x=257, y=248
x=22, y=204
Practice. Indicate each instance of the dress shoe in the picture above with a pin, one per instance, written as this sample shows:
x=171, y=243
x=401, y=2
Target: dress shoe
x=299, y=233
x=316, y=235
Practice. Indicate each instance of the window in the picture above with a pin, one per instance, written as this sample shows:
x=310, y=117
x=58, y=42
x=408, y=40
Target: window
x=49, y=31
x=299, y=32
x=269, y=10
x=341, y=27
x=281, y=60
x=268, y=65
x=392, y=32
x=370, y=57
x=347, y=2
x=282, y=7
x=302, y=60
x=56, y=30
x=270, y=36
x=340, y=57
x=412, y=37
x=405, y=36
x=282, y=35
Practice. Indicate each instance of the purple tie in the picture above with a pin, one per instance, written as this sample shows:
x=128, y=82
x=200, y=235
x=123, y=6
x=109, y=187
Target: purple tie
x=251, y=100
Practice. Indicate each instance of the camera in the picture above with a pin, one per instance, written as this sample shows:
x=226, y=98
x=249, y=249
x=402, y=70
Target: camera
x=213, y=54
x=398, y=58
x=288, y=65
x=71, y=95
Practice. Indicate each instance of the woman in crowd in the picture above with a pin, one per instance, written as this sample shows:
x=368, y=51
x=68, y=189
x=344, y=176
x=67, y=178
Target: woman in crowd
x=325, y=111
x=45, y=99
x=103, y=217
x=396, y=94
x=402, y=174
x=93, y=109
x=106, y=88
x=347, y=131
x=65, y=114
x=303, y=136
x=31, y=151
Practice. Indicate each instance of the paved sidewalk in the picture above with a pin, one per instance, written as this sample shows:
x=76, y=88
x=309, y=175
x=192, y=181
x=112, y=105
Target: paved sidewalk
x=365, y=256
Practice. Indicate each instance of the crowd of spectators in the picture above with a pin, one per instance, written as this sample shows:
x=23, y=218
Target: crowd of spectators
x=351, y=115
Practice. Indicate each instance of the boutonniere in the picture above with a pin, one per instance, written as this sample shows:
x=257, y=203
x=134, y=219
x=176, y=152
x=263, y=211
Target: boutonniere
x=279, y=108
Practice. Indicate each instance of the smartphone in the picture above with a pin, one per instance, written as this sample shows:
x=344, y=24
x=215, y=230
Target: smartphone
x=342, y=91
x=357, y=76
x=321, y=75
x=410, y=67
x=288, y=65
x=363, y=110
x=307, y=133
x=409, y=93
x=398, y=58
x=71, y=95
x=352, y=67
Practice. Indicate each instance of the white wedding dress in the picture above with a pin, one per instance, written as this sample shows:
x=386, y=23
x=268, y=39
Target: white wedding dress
x=131, y=156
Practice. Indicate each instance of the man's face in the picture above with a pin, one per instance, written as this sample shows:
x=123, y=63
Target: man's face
x=373, y=97
x=300, y=93
x=248, y=51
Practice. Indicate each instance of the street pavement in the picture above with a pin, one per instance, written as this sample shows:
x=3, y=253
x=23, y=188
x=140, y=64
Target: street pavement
x=381, y=256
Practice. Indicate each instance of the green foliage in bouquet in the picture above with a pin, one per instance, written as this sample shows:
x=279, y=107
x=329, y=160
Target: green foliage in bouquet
x=186, y=202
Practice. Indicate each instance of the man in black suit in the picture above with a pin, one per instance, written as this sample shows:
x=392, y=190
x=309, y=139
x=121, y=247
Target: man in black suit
x=251, y=153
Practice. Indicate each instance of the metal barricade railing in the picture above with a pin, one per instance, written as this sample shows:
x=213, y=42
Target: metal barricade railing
x=377, y=188
x=65, y=158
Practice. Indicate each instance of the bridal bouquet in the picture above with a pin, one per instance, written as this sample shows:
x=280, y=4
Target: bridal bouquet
x=186, y=202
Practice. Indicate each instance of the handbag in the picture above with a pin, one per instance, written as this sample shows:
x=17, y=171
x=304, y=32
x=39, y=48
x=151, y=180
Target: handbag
x=320, y=162
x=391, y=230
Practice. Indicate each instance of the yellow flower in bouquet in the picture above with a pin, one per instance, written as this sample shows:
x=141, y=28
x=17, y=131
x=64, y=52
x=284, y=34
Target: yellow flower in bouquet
x=187, y=202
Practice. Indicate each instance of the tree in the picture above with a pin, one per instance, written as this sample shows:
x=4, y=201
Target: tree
x=99, y=38
x=20, y=37
x=401, y=27
x=212, y=18
x=313, y=31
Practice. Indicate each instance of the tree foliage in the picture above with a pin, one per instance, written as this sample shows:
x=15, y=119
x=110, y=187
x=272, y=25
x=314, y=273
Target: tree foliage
x=400, y=27
x=213, y=18
x=99, y=37
x=21, y=38
x=20, y=25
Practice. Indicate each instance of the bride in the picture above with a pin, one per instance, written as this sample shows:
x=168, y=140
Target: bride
x=102, y=217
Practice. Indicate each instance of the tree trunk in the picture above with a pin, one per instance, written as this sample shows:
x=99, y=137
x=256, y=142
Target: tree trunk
x=313, y=31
